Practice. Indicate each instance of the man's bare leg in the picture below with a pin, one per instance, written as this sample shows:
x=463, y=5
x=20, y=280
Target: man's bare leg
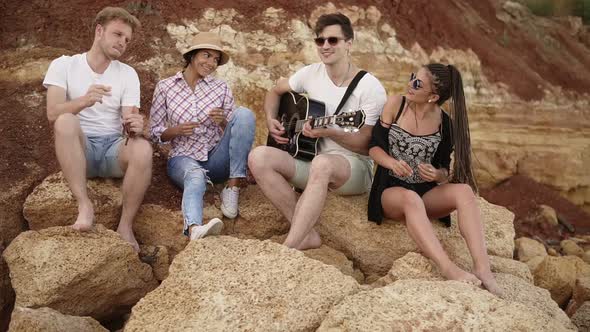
x=271, y=168
x=325, y=170
x=69, y=148
x=136, y=161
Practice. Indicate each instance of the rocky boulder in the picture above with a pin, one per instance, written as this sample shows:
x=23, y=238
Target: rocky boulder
x=373, y=248
x=93, y=273
x=258, y=218
x=227, y=284
x=570, y=247
x=335, y=258
x=12, y=197
x=414, y=266
x=49, y=320
x=442, y=306
x=158, y=226
x=581, y=294
x=527, y=248
x=558, y=275
x=158, y=258
x=52, y=203
x=582, y=317
x=344, y=226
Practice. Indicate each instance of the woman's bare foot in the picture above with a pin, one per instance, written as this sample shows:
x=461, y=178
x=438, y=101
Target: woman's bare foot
x=453, y=272
x=311, y=241
x=489, y=282
x=127, y=235
x=85, y=219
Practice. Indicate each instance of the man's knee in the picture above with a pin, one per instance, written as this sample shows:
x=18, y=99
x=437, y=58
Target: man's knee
x=67, y=125
x=259, y=158
x=322, y=166
x=141, y=153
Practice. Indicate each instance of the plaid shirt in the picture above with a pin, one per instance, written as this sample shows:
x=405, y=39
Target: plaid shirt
x=175, y=103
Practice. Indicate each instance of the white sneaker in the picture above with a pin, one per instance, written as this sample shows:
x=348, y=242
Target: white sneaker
x=229, y=201
x=213, y=227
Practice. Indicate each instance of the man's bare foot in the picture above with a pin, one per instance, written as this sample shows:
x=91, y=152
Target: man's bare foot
x=85, y=219
x=127, y=235
x=489, y=282
x=311, y=241
x=453, y=272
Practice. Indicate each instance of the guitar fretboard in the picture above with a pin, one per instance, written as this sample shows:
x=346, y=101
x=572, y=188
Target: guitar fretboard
x=317, y=122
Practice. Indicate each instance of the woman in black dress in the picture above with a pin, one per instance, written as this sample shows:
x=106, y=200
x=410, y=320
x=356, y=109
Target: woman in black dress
x=412, y=145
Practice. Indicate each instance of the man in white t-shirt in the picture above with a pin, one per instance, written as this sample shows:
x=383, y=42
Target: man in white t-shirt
x=90, y=98
x=342, y=164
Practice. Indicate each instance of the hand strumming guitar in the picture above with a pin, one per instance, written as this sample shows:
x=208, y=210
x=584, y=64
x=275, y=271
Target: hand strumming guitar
x=276, y=131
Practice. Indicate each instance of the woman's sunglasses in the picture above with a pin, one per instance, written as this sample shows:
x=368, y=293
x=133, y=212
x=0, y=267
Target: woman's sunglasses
x=417, y=83
x=319, y=41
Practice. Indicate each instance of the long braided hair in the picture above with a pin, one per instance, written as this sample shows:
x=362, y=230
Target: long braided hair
x=447, y=83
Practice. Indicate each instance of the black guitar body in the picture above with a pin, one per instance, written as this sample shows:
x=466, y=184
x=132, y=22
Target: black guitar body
x=294, y=107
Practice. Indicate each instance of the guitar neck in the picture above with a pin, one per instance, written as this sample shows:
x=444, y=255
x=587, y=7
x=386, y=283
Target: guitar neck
x=316, y=122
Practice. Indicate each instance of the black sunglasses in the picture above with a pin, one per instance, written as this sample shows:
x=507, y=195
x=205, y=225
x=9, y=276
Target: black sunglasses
x=417, y=83
x=319, y=41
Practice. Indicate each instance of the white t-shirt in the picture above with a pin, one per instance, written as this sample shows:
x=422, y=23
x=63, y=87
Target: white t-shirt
x=369, y=95
x=75, y=75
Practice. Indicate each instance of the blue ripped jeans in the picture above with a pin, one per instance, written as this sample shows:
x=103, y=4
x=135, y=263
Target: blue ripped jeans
x=228, y=159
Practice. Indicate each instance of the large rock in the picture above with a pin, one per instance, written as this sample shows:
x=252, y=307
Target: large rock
x=227, y=284
x=158, y=258
x=527, y=248
x=52, y=203
x=258, y=218
x=582, y=317
x=414, y=266
x=442, y=306
x=344, y=227
x=335, y=258
x=581, y=294
x=81, y=274
x=559, y=274
x=12, y=222
x=49, y=320
x=571, y=248
x=6, y=291
x=158, y=226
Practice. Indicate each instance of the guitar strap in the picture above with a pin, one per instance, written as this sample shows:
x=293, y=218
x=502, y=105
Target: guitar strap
x=351, y=87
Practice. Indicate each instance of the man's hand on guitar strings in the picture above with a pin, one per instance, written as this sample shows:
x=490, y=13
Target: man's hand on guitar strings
x=276, y=131
x=315, y=132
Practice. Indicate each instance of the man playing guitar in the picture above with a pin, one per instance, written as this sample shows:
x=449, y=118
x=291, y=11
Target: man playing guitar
x=342, y=164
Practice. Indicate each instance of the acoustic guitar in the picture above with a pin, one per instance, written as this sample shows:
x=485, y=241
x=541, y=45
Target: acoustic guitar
x=295, y=110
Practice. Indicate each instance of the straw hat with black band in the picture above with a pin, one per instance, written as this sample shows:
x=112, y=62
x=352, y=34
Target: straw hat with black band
x=206, y=40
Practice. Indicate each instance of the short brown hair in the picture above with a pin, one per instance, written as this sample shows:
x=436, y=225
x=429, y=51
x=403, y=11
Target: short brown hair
x=335, y=19
x=109, y=14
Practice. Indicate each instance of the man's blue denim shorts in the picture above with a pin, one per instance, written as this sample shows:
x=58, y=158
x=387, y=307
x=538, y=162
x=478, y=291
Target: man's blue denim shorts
x=102, y=154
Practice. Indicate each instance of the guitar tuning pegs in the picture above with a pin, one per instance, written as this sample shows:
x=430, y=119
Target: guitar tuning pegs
x=346, y=130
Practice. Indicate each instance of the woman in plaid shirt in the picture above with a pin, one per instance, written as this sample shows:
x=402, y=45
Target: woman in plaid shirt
x=194, y=112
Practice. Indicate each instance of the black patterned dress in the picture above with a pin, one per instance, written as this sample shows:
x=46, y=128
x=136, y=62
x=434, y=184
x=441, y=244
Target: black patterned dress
x=434, y=149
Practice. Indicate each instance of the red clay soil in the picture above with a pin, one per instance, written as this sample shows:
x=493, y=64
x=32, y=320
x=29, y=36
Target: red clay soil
x=522, y=195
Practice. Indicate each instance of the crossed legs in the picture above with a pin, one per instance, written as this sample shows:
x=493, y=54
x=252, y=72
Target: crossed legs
x=135, y=160
x=272, y=167
x=402, y=204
